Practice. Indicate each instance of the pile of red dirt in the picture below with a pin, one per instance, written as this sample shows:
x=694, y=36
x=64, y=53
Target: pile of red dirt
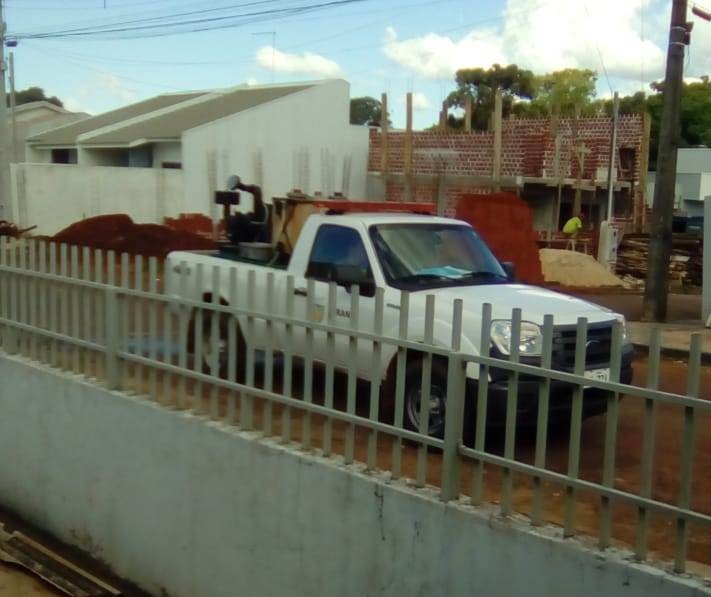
x=118, y=232
x=196, y=223
x=505, y=222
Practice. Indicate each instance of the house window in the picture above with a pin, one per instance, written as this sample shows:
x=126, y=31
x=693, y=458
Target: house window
x=172, y=165
x=64, y=156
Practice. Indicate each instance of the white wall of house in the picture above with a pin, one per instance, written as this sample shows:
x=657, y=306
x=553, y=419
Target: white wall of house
x=302, y=140
x=692, y=160
x=166, y=152
x=53, y=196
x=38, y=155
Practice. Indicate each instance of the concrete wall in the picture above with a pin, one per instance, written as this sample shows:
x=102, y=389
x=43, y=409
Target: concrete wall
x=301, y=140
x=52, y=196
x=185, y=507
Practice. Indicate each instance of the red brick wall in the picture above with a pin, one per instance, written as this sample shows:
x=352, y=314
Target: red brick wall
x=528, y=148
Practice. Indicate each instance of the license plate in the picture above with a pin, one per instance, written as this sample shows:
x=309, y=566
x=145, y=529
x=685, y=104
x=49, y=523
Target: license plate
x=598, y=374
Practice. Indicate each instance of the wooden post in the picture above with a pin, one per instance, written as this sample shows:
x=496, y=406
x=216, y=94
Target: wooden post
x=443, y=116
x=556, y=169
x=384, y=135
x=408, y=149
x=577, y=202
x=498, y=123
x=468, y=114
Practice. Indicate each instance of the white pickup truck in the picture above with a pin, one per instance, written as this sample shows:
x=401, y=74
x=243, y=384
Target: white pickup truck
x=422, y=255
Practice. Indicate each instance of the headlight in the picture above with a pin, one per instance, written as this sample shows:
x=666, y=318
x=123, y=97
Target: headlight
x=530, y=343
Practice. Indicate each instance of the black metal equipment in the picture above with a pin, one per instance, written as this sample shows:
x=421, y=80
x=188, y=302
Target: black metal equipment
x=249, y=233
x=241, y=227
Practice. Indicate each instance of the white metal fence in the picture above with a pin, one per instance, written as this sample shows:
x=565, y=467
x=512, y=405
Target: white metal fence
x=105, y=316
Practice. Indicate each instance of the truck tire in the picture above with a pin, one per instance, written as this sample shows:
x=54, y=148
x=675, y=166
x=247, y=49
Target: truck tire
x=205, y=337
x=438, y=397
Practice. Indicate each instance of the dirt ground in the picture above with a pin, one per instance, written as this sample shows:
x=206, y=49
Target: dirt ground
x=681, y=307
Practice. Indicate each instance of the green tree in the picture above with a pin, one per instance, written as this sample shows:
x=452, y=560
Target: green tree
x=34, y=94
x=366, y=110
x=481, y=86
x=695, y=115
x=561, y=92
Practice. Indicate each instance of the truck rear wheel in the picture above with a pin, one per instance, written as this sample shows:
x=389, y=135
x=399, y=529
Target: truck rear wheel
x=221, y=344
x=437, y=397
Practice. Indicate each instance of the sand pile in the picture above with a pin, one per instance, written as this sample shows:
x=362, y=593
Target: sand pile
x=573, y=269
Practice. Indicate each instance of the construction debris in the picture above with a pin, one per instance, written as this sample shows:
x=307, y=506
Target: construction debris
x=685, y=266
x=119, y=233
x=20, y=550
x=576, y=270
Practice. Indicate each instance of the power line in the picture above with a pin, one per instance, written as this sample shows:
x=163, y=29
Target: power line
x=170, y=26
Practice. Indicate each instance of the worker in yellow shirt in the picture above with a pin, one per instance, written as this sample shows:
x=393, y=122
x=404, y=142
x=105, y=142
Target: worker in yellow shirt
x=571, y=229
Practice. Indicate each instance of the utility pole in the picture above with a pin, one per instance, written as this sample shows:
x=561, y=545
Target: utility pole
x=5, y=198
x=657, y=284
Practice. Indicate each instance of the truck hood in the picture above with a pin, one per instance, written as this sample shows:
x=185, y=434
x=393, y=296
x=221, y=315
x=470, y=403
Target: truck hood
x=533, y=301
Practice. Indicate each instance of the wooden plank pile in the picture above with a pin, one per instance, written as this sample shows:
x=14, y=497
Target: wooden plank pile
x=685, y=266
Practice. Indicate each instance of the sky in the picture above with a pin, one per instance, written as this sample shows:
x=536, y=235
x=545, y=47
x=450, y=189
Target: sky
x=391, y=46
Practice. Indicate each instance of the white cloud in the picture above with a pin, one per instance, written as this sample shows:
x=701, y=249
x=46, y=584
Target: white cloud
x=420, y=101
x=251, y=82
x=109, y=84
x=436, y=56
x=75, y=105
x=307, y=63
x=103, y=91
x=545, y=37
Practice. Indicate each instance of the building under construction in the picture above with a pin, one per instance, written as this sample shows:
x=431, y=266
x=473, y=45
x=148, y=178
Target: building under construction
x=558, y=166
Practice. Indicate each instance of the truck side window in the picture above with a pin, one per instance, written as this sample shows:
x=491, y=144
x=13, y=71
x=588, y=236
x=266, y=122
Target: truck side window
x=337, y=246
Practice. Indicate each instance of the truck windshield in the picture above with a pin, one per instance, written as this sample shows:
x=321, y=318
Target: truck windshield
x=421, y=256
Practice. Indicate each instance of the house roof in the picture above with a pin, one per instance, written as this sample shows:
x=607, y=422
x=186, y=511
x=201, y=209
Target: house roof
x=164, y=117
x=39, y=105
x=68, y=133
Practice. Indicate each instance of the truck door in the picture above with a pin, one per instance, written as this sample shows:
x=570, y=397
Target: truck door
x=336, y=246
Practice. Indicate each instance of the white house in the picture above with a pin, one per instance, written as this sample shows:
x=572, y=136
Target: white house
x=693, y=181
x=32, y=118
x=166, y=155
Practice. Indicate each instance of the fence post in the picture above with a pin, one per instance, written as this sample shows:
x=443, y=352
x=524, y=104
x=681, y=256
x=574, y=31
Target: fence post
x=454, y=413
x=113, y=363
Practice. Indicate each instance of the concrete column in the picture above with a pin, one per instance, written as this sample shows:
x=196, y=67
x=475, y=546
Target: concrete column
x=707, y=263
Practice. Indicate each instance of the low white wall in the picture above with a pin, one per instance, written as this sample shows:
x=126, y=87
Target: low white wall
x=184, y=507
x=53, y=196
x=707, y=262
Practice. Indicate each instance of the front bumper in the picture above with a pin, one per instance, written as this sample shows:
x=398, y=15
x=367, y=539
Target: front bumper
x=560, y=398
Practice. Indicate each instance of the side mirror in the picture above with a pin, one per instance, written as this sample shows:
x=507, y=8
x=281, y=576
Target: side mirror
x=233, y=181
x=509, y=270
